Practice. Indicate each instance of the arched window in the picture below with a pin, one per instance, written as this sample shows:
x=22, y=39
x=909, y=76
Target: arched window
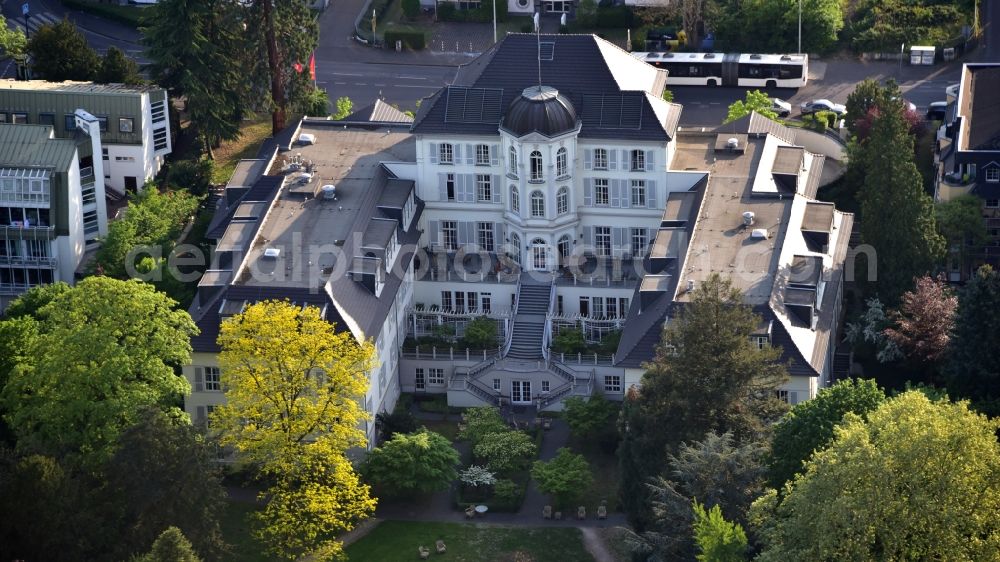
x=537, y=204
x=561, y=163
x=536, y=165
x=563, y=246
x=512, y=160
x=562, y=201
x=515, y=199
x=539, y=255
x=515, y=242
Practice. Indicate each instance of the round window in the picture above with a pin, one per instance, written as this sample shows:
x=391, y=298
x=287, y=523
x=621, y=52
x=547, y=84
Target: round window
x=522, y=3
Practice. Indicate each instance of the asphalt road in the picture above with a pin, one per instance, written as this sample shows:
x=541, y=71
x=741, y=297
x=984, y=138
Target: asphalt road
x=363, y=82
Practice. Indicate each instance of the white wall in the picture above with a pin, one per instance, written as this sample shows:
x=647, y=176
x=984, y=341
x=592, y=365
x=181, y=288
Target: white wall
x=128, y=160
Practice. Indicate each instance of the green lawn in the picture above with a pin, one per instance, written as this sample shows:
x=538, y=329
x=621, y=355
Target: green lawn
x=604, y=468
x=447, y=428
x=252, y=135
x=236, y=532
x=395, y=541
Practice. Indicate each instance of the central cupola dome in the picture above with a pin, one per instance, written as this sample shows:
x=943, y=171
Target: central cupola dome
x=540, y=109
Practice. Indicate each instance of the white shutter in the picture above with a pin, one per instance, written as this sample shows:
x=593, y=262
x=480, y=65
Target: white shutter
x=616, y=193
x=495, y=188
x=456, y=155
x=199, y=379
x=613, y=159
x=434, y=153
x=443, y=186
x=199, y=416
x=588, y=238
x=651, y=194
x=626, y=161
x=434, y=232
x=650, y=161
x=588, y=159
x=618, y=235
x=588, y=192
x=494, y=155
x=470, y=154
x=626, y=194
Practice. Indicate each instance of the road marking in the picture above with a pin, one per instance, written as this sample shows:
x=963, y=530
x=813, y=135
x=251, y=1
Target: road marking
x=341, y=83
x=714, y=103
x=404, y=77
x=345, y=74
x=378, y=84
x=412, y=86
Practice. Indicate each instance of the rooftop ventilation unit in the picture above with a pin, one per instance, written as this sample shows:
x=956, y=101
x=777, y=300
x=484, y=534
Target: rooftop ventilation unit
x=733, y=143
x=759, y=234
x=690, y=285
x=748, y=218
x=329, y=191
x=307, y=138
x=272, y=253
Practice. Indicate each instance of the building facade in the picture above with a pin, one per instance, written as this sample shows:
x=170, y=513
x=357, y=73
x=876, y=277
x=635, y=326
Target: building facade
x=968, y=158
x=52, y=203
x=550, y=191
x=134, y=122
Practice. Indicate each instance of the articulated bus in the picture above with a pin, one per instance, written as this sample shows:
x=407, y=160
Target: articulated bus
x=731, y=69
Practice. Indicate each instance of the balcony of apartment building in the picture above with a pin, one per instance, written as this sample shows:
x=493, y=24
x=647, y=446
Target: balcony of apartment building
x=21, y=223
x=594, y=270
x=465, y=266
x=24, y=185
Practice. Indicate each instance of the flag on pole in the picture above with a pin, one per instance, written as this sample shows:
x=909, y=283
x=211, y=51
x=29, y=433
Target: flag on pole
x=537, y=23
x=312, y=66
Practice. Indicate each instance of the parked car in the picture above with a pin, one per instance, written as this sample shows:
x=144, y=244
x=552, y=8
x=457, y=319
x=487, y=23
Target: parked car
x=937, y=110
x=823, y=105
x=781, y=107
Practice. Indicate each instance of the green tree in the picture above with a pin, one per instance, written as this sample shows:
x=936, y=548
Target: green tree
x=717, y=540
x=771, y=26
x=106, y=351
x=293, y=386
x=917, y=481
x=193, y=176
x=505, y=451
x=13, y=42
x=411, y=8
x=809, y=426
x=315, y=103
x=60, y=52
x=34, y=299
x=417, y=462
x=715, y=470
x=756, y=100
x=481, y=421
x=974, y=365
x=589, y=418
x=923, y=322
x=960, y=222
x=344, y=108
x=117, y=68
x=171, y=546
x=860, y=101
x=706, y=376
x=164, y=474
x=569, y=340
x=564, y=477
x=897, y=215
x=197, y=51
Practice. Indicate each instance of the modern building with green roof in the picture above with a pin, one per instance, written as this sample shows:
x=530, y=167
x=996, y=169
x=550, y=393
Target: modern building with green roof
x=134, y=122
x=52, y=202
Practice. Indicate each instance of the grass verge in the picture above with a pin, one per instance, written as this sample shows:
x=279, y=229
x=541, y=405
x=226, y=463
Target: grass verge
x=398, y=540
x=252, y=135
x=235, y=525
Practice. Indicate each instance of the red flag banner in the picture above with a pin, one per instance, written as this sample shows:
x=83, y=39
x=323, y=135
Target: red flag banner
x=312, y=66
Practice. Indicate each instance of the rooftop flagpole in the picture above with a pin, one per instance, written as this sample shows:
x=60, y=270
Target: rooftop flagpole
x=538, y=40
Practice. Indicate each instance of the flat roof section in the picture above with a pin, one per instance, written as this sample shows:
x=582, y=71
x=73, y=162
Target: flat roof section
x=237, y=237
x=309, y=233
x=818, y=217
x=980, y=106
x=250, y=210
x=788, y=160
x=655, y=283
x=721, y=243
x=806, y=270
x=669, y=243
x=247, y=172
x=396, y=193
x=77, y=87
x=679, y=205
x=378, y=233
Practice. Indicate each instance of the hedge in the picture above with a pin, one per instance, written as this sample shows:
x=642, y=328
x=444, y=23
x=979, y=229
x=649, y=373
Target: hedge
x=128, y=15
x=413, y=39
x=614, y=17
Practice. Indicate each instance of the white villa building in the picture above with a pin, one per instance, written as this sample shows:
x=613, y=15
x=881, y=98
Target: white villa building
x=549, y=188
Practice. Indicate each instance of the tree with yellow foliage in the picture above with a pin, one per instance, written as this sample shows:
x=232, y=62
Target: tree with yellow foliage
x=292, y=388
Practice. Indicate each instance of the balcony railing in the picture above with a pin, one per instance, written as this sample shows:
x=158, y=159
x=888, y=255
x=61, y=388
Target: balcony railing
x=85, y=173
x=30, y=232
x=28, y=260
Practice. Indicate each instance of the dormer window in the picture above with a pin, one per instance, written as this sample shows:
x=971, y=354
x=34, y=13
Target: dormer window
x=446, y=154
x=992, y=174
x=761, y=341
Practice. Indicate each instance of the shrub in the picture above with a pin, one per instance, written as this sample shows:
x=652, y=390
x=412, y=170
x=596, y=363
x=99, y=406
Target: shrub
x=396, y=422
x=315, y=103
x=481, y=333
x=481, y=421
x=527, y=28
x=411, y=38
x=506, y=451
x=569, y=341
x=195, y=176
x=564, y=29
x=564, y=477
x=446, y=11
x=586, y=13
x=507, y=495
x=416, y=462
x=411, y=8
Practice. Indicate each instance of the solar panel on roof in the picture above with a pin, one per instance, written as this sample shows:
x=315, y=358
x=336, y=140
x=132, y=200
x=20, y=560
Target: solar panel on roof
x=613, y=111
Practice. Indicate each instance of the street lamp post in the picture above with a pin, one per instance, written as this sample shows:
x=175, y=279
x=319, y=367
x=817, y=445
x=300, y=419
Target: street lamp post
x=494, y=2
x=800, y=27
